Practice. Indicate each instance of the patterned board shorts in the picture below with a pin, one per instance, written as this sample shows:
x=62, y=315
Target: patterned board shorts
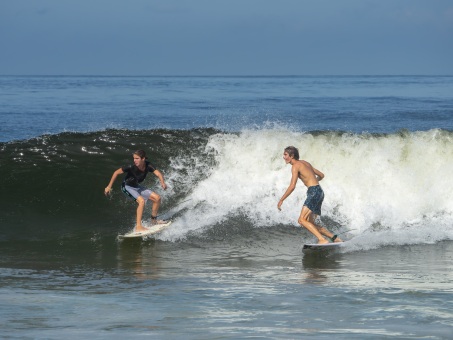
x=315, y=196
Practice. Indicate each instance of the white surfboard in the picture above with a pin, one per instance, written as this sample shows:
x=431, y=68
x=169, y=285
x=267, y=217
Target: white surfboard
x=313, y=248
x=149, y=231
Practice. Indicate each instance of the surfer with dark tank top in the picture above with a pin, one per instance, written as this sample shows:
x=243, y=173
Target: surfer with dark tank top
x=136, y=174
x=310, y=176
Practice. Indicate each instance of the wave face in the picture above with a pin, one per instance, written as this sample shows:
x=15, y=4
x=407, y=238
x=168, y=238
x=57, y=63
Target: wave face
x=388, y=188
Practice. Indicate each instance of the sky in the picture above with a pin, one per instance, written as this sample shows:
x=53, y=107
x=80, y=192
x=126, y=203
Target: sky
x=226, y=37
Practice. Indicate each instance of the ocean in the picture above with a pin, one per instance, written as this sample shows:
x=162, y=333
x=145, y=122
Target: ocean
x=231, y=265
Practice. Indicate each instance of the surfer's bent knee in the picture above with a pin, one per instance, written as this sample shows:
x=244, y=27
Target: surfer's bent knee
x=155, y=197
x=305, y=215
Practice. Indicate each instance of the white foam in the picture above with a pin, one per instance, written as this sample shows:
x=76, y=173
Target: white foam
x=397, y=183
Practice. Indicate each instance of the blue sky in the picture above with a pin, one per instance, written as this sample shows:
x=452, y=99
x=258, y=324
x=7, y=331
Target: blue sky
x=226, y=37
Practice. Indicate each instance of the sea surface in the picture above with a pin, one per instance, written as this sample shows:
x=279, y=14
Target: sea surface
x=231, y=265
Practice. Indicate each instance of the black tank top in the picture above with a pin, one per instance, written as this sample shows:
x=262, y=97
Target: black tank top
x=134, y=175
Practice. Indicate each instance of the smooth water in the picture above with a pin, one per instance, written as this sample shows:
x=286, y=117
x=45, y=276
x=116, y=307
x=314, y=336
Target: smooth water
x=32, y=106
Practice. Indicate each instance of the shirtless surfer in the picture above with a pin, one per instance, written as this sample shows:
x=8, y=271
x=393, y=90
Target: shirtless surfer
x=310, y=176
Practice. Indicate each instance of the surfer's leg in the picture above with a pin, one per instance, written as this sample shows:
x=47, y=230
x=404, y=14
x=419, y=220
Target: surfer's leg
x=155, y=198
x=134, y=193
x=306, y=221
x=324, y=231
x=141, y=206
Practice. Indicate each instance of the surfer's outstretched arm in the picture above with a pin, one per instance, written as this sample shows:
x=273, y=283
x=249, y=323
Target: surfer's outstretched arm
x=161, y=179
x=114, y=176
x=291, y=187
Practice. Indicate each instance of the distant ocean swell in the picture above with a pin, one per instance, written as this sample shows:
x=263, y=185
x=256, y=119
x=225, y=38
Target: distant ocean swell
x=388, y=188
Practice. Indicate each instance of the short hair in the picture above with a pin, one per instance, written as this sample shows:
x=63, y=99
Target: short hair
x=140, y=153
x=293, y=152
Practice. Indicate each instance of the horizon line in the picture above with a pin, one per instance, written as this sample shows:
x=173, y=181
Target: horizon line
x=228, y=76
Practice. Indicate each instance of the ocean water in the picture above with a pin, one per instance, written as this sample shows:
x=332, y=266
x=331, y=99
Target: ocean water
x=231, y=265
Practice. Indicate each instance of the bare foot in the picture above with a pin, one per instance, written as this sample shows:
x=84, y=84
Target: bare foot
x=338, y=240
x=139, y=229
x=323, y=241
